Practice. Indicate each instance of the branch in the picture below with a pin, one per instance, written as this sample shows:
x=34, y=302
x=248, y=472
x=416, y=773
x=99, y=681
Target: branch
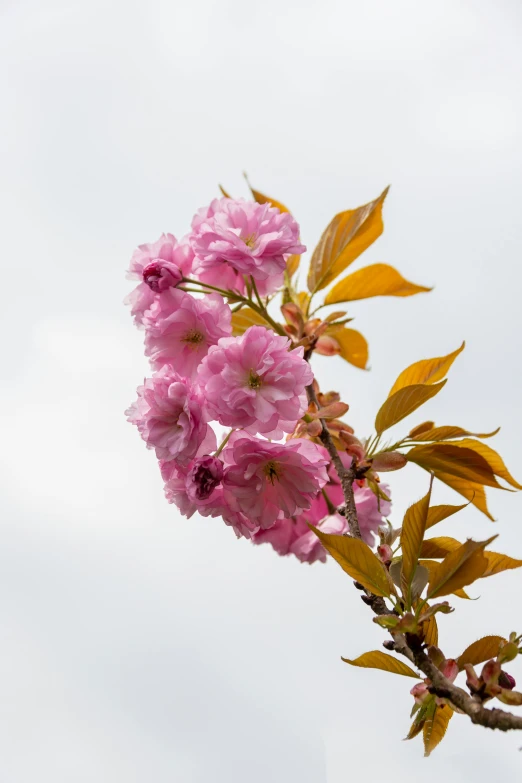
x=346, y=475
x=442, y=687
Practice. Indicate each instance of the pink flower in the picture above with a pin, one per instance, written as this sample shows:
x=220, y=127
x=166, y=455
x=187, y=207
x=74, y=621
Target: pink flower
x=171, y=417
x=158, y=266
x=254, y=382
x=198, y=487
x=180, y=329
x=294, y=537
x=270, y=481
x=175, y=477
x=254, y=239
x=306, y=546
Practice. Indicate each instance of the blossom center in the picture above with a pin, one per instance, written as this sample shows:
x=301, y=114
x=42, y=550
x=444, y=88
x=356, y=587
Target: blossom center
x=272, y=471
x=254, y=380
x=249, y=240
x=193, y=338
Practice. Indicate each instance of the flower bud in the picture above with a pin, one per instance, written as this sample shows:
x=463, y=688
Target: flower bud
x=387, y=461
x=327, y=346
x=505, y=680
x=450, y=669
x=420, y=692
x=490, y=672
x=160, y=275
x=385, y=553
x=205, y=475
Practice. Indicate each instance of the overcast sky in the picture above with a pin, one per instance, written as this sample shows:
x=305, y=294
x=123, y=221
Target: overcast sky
x=137, y=646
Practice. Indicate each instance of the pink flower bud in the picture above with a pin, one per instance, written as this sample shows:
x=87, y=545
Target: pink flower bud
x=450, y=669
x=204, y=476
x=391, y=460
x=160, y=275
x=420, y=692
x=505, y=680
x=327, y=346
x=490, y=672
x=385, y=553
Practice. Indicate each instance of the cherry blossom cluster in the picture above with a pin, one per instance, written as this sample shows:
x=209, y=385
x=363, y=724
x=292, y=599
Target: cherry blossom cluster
x=262, y=480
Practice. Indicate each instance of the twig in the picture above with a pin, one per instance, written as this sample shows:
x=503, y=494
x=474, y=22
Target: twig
x=346, y=475
x=440, y=685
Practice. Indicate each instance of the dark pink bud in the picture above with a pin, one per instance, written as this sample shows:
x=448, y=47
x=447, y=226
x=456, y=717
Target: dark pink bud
x=505, y=680
x=205, y=475
x=385, y=553
x=450, y=669
x=160, y=275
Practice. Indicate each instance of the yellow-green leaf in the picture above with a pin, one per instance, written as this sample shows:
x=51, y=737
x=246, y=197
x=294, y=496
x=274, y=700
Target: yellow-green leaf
x=354, y=348
x=449, y=433
x=498, y=563
x=262, y=199
x=245, y=318
x=482, y=650
x=348, y=235
x=435, y=728
x=412, y=534
x=491, y=457
x=379, y=660
x=426, y=371
x=403, y=402
x=357, y=559
x=453, y=459
x=439, y=547
x=459, y=568
x=469, y=489
x=374, y=280
x=437, y=513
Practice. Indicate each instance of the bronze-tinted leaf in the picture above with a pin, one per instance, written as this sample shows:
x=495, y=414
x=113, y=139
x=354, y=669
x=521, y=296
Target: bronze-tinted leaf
x=430, y=631
x=448, y=433
x=292, y=264
x=379, y=660
x=412, y=534
x=482, y=650
x=348, y=235
x=469, y=489
x=403, y=402
x=498, y=563
x=435, y=728
x=455, y=460
x=357, y=559
x=354, y=348
x=426, y=371
x=459, y=568
x=437, y=513
x=262, y=199
x=224, y=192
x=374, y=280
x=491, y=457
x=244, y=318
x=439, y=547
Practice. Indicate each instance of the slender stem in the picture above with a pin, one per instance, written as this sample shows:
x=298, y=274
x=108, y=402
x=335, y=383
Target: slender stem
x=256, y=292
x=223, y=443
x=221, y=291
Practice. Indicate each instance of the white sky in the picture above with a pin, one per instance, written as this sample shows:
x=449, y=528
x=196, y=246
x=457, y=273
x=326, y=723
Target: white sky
x=140, y=647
